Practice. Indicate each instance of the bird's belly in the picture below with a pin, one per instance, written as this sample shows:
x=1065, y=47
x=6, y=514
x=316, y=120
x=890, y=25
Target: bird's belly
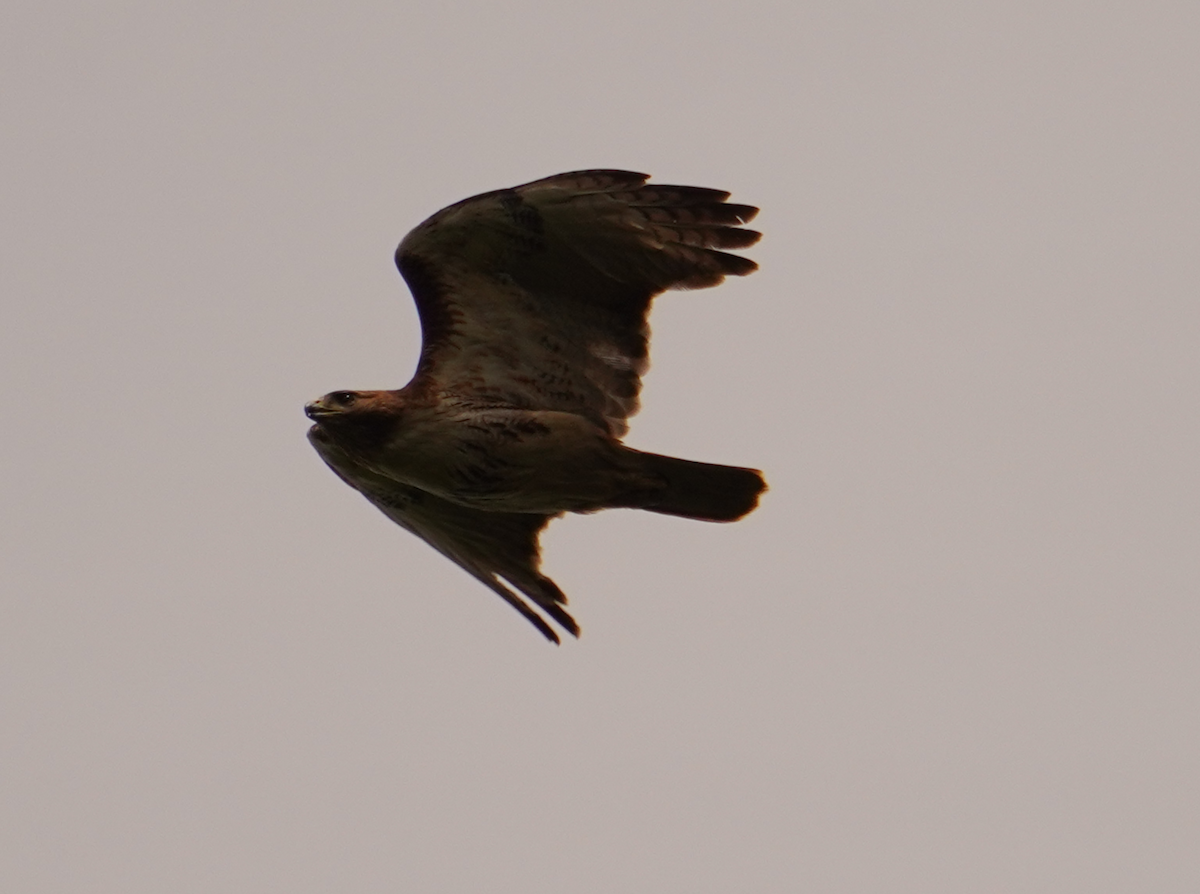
x=515, y=461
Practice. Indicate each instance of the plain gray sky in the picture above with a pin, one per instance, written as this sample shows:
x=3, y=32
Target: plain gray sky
x=954, y=651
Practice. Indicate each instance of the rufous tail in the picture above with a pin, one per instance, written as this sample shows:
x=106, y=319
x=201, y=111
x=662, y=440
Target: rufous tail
x=703, y=491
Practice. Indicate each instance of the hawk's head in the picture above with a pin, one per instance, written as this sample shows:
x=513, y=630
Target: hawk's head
x=356, y=420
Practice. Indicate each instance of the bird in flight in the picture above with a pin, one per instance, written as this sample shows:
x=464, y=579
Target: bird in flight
x=533, y=304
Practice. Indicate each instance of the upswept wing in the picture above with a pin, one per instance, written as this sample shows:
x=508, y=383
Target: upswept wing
x=494, y=547
x=537, y=296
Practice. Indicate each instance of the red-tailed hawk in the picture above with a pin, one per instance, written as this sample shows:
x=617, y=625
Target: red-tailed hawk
x=533, y=304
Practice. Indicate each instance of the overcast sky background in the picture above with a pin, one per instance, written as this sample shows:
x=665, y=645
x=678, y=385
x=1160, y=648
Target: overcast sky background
x=955, y=649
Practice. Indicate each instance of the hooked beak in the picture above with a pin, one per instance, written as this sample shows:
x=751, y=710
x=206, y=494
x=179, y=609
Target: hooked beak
x=314, y=411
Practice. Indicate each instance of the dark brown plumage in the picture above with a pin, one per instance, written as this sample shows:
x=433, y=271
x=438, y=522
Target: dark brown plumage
x=533, y=304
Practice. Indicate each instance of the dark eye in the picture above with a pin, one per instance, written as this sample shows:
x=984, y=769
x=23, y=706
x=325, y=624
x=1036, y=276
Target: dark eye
x=344, y=398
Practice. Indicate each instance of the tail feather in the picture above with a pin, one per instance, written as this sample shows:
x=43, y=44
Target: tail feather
x=703, y=491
